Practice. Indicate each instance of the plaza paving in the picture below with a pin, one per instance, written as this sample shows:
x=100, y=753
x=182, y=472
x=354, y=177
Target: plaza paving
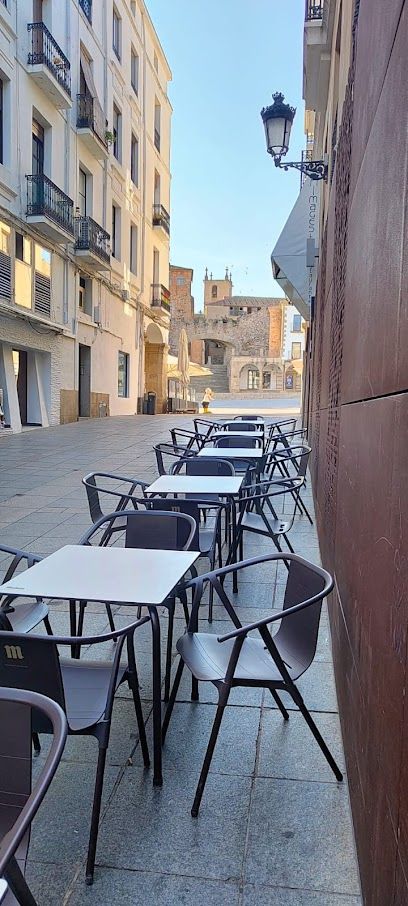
x=274, y=827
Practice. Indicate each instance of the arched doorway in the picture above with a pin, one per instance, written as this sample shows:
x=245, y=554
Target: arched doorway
x=249, y=378
x=155, y=365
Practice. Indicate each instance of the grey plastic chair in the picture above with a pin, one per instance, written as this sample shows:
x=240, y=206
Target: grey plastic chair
x=248, y=418
x=18, y=802
x=289, y=462
x=240, y=465
x=208, y=467
x=243, y=426
x=205, y=426
x=148, y=530
x=120, y=491
x=258, y=513
x=236, y=658
x=192, y=440
x=167, y=454
x=84, y=690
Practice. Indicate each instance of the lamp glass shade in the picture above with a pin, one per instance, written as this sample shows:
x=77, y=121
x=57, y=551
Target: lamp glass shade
x=277, y=120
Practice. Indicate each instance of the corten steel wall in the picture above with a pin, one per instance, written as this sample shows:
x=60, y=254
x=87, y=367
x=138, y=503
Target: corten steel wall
x=359, y=432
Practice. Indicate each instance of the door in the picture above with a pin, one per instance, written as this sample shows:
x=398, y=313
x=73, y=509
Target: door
x=84, y=382
x=20, y=371
x=37, y=169
x=37, y=34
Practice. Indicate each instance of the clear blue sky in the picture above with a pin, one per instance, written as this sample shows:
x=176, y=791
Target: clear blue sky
x=228, y=201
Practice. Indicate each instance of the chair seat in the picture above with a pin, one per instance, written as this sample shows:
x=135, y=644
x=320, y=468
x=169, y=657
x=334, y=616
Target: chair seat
x=24, y=617
x=86, y=685
x=208, y=659
x=255, y=523
x=206, y=540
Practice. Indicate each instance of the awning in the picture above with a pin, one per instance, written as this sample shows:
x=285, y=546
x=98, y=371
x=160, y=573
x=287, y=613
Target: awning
x=194, y=369
x=293, y=258
x=98, y=114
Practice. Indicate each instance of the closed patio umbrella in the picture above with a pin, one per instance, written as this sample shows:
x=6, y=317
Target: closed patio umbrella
x=183, y=361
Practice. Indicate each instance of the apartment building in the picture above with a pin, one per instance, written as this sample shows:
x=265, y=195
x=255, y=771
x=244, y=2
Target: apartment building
x=84, y=202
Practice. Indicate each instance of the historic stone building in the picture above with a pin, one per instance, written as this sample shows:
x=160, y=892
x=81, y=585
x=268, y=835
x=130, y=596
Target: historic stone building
x=241, y=338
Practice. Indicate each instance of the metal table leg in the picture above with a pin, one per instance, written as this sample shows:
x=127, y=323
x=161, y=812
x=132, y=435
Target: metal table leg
x=156, y=669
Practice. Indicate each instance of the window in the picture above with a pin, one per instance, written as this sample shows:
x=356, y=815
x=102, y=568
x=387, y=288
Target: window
x=296, y=350
x=85, y=295
x=253, y=379
x=117, y=133
x=134, y=70
x=116, y=29
x=157, y=118
x=180, y=281
x=266, y=380
x=42, y=260
x=156, y=192
x=82, y=192
x=37, y=149
x=297, y=323
x=115, y=234
x=123, y=374
x=214, y=292
x=5, y=233
x=42, y=281
x=1, y=122
x=23, y=248
x=133, y=249
x=134, y=160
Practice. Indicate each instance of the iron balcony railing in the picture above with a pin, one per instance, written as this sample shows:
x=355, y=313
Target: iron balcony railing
x=157, y=139
x=161, y=217
x=45, y=198
x=314, y=10
x=90, y=116
x=86, y=6
x=90, y=237
x=44, y=49
x=160, y=297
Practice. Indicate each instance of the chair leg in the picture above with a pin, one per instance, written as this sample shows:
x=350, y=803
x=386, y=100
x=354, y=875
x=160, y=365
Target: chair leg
x=211, y=601
x=288, y=543
x=207, y=760
x=170, y=607
x=141, y=726
x=47, y=625
x=172, y=699
x=96, y=811
x=194, y=690
x=280, y=704
x=36, y=743
x=316, y=733
x=18, y=884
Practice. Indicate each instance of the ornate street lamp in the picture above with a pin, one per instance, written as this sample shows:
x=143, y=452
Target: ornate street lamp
x=277, y=120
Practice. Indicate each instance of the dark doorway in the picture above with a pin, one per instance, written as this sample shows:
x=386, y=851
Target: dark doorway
x=20, y=371
x=84, y=383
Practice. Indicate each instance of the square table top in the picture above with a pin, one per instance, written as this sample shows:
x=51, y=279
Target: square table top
x=117, y=574
x=196, y=484
x=231, y=452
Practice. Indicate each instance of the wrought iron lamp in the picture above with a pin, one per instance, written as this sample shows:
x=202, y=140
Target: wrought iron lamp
x=277, y=120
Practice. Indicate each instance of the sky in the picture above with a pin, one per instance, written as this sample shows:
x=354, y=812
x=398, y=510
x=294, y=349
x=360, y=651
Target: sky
x=228, y=201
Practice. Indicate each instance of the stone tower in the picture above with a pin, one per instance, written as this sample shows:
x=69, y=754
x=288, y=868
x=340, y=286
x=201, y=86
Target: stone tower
x=215, y=290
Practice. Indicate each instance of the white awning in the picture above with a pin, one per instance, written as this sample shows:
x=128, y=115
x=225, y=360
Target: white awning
x=293, y=261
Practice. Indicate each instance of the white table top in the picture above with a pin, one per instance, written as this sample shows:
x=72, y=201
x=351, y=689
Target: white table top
x=196, y=484
x=117, y=574
x=230, y=453
x=3, y=889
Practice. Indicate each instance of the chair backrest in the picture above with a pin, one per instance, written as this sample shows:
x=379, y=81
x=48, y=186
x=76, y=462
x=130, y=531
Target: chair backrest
x=296, y=458
x=18, y=803
x=240, y=442
x=144, y=529
x=17, y=558
x=176, y=506
x=32, y=662
x=248, y=418
x=243, y=426
x=296, y=638
x=172, y=452
x=204, y=426
x=205, y=466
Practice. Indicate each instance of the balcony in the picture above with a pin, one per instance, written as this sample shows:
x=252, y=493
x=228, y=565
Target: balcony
x=49, y=208
x=160, y=297
x=49, y=65
x=86, y=6
x=161, y=218
x=91, y=126
x=314, y=10
x=92, y=244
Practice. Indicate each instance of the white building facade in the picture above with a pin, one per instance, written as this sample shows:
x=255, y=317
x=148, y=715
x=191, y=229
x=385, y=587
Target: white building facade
x=293, y=346
x=84, y=201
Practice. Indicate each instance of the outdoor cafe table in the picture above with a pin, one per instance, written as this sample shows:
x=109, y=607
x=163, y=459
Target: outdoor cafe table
x=224, y=485
x=112, y=575
x=231, y=452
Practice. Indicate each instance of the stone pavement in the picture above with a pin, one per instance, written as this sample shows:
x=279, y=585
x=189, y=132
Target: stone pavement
x=274, y=827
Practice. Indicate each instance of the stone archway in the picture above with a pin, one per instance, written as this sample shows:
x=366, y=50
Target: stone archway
x=155, y=365
x=249, y=377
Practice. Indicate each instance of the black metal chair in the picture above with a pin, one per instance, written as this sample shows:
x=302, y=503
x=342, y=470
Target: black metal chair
x=18, y=802
x=248, y=418
x=192, y=440
x=158, y=530
x=84, y=689
x=236, y=658
x=118, y=489
x=21, y=616
x=208, y=467
x=240, y=465
x=172, y=452
x=258, y=512
x=204, y=426
x=289, y=462
x=243, y=426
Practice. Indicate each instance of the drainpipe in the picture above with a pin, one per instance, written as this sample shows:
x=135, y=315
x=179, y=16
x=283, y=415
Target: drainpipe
x=143, y=218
